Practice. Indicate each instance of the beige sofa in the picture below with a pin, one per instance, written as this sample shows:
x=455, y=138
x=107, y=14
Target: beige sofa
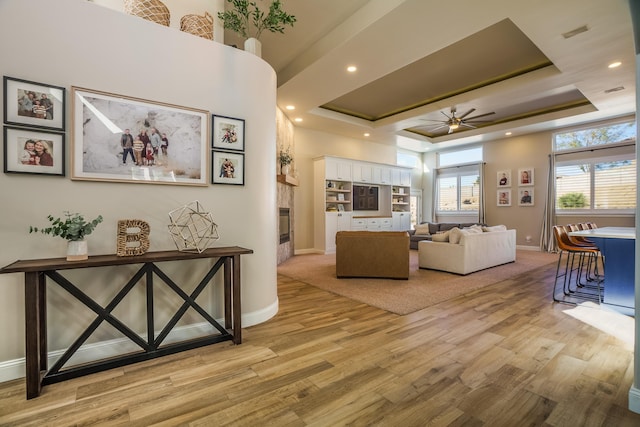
x=382, y=254
x=473, y=252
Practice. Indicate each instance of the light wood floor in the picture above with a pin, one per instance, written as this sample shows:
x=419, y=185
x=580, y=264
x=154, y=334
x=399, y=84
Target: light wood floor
x=502, y=356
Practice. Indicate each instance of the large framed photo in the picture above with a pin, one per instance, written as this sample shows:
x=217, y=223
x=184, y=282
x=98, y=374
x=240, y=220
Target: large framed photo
x=33, y=151
x=32, y=104
x=124, y=139
x=227, y=168
x=228, y=133
x=525, y=197
x=504, y=178
x=525, y=176
x=504, y=197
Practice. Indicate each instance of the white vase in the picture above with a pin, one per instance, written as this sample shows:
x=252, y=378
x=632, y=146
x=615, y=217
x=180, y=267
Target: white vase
x=77, y=250
x=254, y=46
x=285, y=169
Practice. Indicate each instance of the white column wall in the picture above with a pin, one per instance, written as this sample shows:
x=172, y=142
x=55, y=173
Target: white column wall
x=83, y=44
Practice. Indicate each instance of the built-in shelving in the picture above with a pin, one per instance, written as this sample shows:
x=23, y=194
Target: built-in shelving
x=337, y=196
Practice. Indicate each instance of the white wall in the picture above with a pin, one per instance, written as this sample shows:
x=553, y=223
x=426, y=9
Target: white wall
x=94, y=47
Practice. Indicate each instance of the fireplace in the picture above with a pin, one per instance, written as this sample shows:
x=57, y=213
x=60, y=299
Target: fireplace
x=284, y=225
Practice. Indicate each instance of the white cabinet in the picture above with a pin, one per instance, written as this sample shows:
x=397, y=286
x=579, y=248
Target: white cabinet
x=334, y=222
x=362, y=172
x=381, y=175
x=401, y=221
x=401, y=177
x=372, y=223
x=337, y=169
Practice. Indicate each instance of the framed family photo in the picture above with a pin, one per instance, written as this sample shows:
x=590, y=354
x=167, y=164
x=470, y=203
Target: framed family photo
x=33, y=151
x=228, y=133
x=504, y=178
x=504, y=197
x=525, y=197
x=33, y=104
x=227, y=168
x=125, y=139
x=525, y=176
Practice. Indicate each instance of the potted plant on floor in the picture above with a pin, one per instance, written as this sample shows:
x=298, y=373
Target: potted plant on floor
x=249, y=21
x=73, y=228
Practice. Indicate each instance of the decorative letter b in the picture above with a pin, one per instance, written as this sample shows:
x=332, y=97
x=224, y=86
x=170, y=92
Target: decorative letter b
x=133, y=237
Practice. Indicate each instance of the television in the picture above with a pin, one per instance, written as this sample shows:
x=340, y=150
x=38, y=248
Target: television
x=365, y=198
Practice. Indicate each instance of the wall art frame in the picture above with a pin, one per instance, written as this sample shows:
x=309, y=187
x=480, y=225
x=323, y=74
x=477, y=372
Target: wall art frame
x=525, y=176
x=503, y=197
x=227, y=133
x=19, y=105
x=99, y=121
x=504, y=178
x=227, y=168
x=19, y=158
x=526, y=196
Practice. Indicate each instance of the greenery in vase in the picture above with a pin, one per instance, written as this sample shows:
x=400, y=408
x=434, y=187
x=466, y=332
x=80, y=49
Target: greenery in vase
x=248, y=20
x=285, y=157
x=73, y=227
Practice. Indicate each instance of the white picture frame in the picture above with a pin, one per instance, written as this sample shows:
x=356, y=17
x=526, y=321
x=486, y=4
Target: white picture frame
x=503, y=178
x=525, y=177
x=526, y=197
x=503, y=197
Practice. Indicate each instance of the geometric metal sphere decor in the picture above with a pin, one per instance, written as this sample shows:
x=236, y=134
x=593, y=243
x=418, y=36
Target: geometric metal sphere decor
x=191, y=228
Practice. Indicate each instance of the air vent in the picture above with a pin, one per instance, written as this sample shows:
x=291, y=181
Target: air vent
x=575, y=32
x=615, y=89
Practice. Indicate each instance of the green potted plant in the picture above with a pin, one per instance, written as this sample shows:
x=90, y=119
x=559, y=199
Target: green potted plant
x=285, y=159
x=249, y=21
x=73, y=228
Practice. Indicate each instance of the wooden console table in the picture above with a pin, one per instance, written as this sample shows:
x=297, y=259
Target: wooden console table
x=37, y=270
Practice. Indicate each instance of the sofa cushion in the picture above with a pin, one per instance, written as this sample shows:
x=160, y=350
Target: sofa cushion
x=475, y=228
x=454, y=235
x=495, y=228
x=446, y=226
x=442, y=236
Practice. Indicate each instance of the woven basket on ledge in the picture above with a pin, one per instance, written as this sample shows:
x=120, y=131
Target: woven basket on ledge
x=151, y=10
x=201, y=26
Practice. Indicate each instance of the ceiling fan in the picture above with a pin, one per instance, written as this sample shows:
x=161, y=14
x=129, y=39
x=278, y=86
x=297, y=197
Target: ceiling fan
x=454, y=122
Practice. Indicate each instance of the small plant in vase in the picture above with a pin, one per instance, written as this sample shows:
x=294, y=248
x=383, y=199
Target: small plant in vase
x=285, y=159
x=73, y=228
x=249, y=21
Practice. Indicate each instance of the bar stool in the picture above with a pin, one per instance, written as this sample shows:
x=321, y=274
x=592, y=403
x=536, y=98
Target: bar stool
x=574, y=263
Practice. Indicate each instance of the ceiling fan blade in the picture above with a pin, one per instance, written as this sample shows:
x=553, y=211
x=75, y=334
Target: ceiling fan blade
x=453, y=113
x=438, y=127
x=480, y=115
x=467, y=125
x=467, y=113
x=431, y=120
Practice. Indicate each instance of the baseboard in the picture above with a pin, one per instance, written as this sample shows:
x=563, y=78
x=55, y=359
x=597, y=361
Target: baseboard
x=14, y=369
x=307, y=251
x=634, y=400
x=528, y=248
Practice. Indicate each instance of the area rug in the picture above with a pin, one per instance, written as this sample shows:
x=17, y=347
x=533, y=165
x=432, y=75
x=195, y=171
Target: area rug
x=423, y=289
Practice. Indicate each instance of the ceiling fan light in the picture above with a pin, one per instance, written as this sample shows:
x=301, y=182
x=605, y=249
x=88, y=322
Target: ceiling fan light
x=454, y=126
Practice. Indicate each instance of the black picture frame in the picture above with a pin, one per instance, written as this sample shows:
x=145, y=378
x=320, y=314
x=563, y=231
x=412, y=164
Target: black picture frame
x=227, y=133
x=235, y=169
x=18, y=104
x=18, y=160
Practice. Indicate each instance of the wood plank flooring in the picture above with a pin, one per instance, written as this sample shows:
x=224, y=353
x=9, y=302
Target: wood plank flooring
x=505, y=355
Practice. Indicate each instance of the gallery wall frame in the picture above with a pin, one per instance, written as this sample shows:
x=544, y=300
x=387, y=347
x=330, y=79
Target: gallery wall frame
x=99, y=120
x=504, y=178
x=526, y=196
x=227, y=133
x=525, y=176
x=227, y=168
x=504, y=197
x=19, y=100
x=33, y=151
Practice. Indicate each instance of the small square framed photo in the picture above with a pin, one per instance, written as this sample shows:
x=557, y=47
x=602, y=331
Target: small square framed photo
x=227, y=168
x=32, y=104
x=504, y=178
x=33, y=151
x=228, y=133
x=504, y=197
x=525, y=197
x=525, y=176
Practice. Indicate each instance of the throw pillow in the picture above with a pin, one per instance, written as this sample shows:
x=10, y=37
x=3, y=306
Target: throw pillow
x=422, y=230
x=441, y=237
x=474, y=229
x=454, y=235
x=495, y=228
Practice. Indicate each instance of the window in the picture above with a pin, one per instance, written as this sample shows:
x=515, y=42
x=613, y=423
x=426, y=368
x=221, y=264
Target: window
x=459, y=157
x=458, y=189
x=411, y=160
x=596, y=169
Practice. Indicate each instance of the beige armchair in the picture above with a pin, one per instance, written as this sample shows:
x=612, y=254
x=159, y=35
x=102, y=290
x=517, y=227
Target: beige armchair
x=383, y=254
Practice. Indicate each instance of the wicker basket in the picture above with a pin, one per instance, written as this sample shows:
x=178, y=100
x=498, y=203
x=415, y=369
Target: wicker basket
x=201, y=26
x=151, y=10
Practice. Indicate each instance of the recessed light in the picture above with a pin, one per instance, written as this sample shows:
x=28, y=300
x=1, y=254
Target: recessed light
x=615, y=64
x=508, y=133
x=352, y=68
x=290, y=107
x=367, y=134
x=297, y=119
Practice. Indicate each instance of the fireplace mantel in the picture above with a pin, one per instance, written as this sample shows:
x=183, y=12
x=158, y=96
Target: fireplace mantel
x=288, y=180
